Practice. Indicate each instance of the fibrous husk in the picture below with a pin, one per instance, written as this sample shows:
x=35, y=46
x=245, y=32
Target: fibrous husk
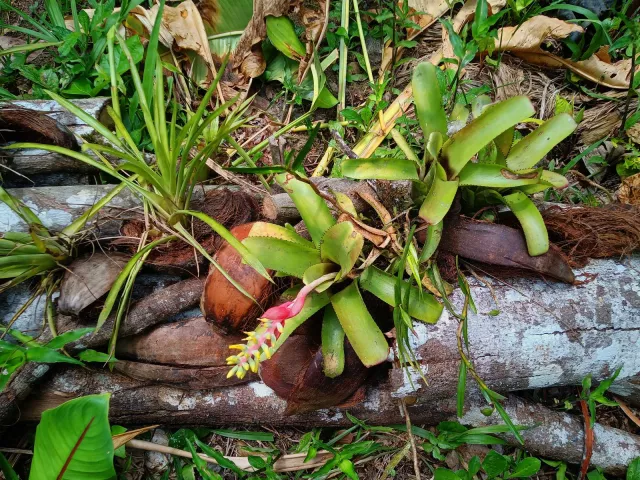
x=25, y=125
x=88, y=279
x=222, y=303
x=594, y=232
x=228, y=207
x=295, y=373
x=193, y=342
x=528, y=39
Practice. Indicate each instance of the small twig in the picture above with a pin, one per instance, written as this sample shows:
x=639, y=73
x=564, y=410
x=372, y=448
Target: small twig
x=588, y=440
x=414, y=450
x=625, y=408
x=346, y=149
x=584, y=178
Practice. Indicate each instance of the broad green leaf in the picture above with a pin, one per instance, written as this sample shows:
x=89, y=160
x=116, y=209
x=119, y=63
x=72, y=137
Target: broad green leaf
x=332, y=344
x=380, y=169
x=460, y=148
x=365, y=336
x=422, y=305
x=633, y=472
x=533, y=226
x=73, y=441
x=314, y=211
x=342, y=244
x=271, y=230
x=428, y=100
x=281, y=255
x=68, y=337
x=283, y=36
x=90, y=355
x=526, y=468
x=48, y=355
x=314, y=272
x=220, y=458
x=504, y=142
x=547, y=180
x=496, y=176
x=345, y=202
x=530, y=150
x=439, y=199
x=445, y=474
x=15, y=265
x=494, y=464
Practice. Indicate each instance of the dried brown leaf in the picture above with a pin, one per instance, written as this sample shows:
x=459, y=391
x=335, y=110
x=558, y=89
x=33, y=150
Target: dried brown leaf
x=527, y=42
x=123, y=438
x=629, y=191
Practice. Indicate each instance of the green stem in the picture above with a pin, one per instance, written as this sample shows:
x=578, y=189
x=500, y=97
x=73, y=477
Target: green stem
x=363, y=44
x=342, y=71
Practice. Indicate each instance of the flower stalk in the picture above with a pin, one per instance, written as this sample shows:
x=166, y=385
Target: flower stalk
x=260, y=343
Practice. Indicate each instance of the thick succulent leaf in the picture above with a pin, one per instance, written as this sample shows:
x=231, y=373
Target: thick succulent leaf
x=281, y=255
x=342, y=244
x=460, y=148
x=314, y=211
x=427, y=99
x=282, y=35
x=547, y=180
x=73, y=441
x=314, y=272
x=504, y=142
x=530, y=150
x=439, y=199
x=271, y=230
x=380, y=169
x=365, y=336
x=535, y=231
x=332, y=344
x=433, y=236
x=422, y=305
x=496, y=176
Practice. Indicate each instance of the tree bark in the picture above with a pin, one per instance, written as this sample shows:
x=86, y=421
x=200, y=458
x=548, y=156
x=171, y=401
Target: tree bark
x=41, y=164
x=554, y=434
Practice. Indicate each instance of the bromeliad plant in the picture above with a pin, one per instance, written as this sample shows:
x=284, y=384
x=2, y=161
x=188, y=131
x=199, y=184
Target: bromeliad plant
x=326, y=265
x=166, y=184
x=504, y=173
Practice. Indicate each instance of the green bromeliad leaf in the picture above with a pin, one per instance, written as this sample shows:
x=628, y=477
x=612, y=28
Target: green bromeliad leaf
x=332, y=344
x=314, y=211
x=271, y=230
x=535, y=231
x=496, y=176
x=427, y=99
x=342, y=244
x=530, y=150
x=281, y=255
x=282, y=35
x=365, y=336
x=422, y=305
x=547, y=180
x=495, y=119
x=380, y=169
x=440, y=197
x=314, y=272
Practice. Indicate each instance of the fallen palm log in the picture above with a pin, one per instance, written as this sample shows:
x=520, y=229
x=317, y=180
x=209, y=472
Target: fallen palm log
x=553, y=434
x=29, y=126
x=59, y=206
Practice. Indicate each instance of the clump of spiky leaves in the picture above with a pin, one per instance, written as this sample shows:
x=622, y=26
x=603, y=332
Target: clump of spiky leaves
x=39, y=252
x=327, y=267
x=505, y=175
x=165, y=185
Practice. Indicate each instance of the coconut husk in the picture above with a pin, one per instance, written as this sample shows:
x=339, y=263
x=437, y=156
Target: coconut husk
x=25, y=125
x=594, y=232
x=228, y=207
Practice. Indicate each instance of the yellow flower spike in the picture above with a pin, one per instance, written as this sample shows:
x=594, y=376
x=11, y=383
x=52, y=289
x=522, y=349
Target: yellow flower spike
x=254, y=368
x=231, y=373
x=237, y=347
x=245, y=366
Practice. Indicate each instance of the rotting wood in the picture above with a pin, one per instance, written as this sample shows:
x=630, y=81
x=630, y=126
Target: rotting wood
x=556, y=434
x=39, y=162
